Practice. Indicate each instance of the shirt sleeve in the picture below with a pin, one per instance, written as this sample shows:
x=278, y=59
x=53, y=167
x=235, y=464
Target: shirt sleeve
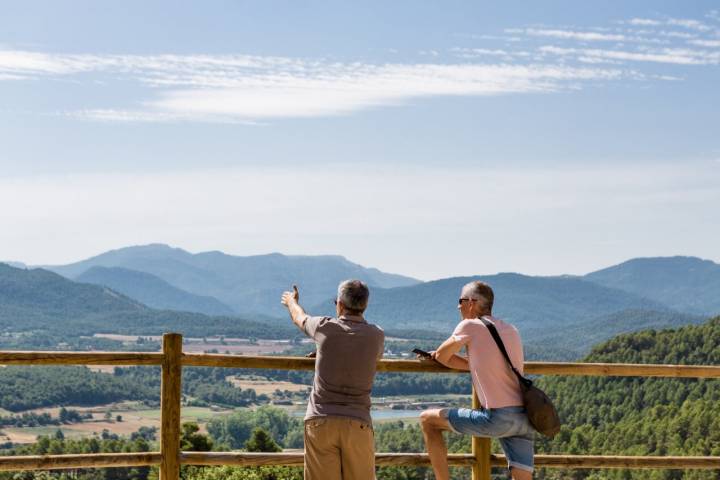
x=381, y=343
x=461, y=334
x=311, y=324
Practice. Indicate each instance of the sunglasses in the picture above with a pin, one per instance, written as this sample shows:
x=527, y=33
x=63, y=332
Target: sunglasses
x=462, y=300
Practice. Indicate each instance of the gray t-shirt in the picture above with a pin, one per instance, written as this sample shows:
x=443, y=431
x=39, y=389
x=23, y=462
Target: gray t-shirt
x=348, y=349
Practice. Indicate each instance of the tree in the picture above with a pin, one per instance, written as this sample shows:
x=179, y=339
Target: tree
x=261, y=441
x=191, y=440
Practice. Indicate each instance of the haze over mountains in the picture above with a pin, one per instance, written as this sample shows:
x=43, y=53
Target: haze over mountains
x=38, y=301
x=687, y=284
x=572, y=312
x=248, y=285
x=153, y=291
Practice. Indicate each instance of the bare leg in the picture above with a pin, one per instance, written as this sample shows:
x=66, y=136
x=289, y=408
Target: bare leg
x=519, y=474
x=433, y=424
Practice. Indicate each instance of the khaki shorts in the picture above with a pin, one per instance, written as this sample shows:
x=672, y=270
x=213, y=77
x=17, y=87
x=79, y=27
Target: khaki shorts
x=339, y=448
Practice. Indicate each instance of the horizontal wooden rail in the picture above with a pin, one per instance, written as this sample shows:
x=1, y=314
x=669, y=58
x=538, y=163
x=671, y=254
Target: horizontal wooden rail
x=619, y=461
x=622, y=370
x=303, y=363
x=171, y=370
x=81, y=358
x=459, y=460
x=531, y=368
x=90, y=460
x=295, y=459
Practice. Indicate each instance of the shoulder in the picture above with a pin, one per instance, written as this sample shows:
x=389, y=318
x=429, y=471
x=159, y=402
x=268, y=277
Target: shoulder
x=507, y=330
x=377, y=329
x=469, y=323
x=503, y=325
x=468, y=327
x=319, y=321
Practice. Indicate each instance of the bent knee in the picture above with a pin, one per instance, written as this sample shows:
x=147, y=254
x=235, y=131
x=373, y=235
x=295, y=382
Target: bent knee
x=432, y=419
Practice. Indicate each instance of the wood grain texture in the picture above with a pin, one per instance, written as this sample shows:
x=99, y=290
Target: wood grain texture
x=480, y=448
x=296, y=459
x=622, y=370
x=96, y=460
x=170, y=397
x=80, y=358
x=532, y=368
x=459, y=460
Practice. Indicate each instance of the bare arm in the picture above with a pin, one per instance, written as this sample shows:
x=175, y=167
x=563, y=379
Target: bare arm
x=297, y=314
x=447, y=355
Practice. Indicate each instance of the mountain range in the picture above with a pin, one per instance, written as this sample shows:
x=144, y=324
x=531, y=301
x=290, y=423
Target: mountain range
x=39, y=301
x=574, y=312
x=248, y=285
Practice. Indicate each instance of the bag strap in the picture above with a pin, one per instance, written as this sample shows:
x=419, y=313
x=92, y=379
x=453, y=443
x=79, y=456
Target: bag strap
x=498, y=341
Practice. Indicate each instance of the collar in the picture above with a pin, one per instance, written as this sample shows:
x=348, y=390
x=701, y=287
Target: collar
x=352, y=318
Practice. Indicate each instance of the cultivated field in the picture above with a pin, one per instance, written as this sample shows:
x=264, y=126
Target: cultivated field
x=133, y=416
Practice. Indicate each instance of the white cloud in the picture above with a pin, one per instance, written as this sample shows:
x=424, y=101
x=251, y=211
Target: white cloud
x=576, y=35
x=644, y=21
x=248, y=88
x=706, y=43
x=690, y=24
x=228, y=88
x=371, y=86
x=676, y=56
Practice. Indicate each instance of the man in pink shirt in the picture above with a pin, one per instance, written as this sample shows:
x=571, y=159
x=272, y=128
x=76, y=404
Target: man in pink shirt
x=502, y=415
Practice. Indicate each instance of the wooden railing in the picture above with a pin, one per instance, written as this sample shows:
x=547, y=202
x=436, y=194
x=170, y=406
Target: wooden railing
x=170, y=458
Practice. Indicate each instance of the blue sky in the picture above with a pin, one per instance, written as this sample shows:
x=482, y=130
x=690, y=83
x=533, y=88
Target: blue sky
x=427, y=138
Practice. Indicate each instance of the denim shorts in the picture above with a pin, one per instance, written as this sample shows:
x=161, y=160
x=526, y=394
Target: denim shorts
x=510, y=425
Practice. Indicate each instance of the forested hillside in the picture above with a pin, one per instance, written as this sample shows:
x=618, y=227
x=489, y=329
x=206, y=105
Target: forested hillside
x=628, y=416
x=43, y=303
x=248, y=284
x=687, y=284
x=642, y=416
x=152, y=291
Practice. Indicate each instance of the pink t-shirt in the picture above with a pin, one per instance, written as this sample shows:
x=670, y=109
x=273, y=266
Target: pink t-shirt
x=496, y=385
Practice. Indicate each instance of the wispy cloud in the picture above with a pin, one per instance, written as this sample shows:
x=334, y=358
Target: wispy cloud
x=668, y=55
x=242, y=88
x=250, y=88
x=573, y=35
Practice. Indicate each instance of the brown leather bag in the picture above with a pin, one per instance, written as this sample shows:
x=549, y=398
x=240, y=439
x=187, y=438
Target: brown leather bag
x=540, y=411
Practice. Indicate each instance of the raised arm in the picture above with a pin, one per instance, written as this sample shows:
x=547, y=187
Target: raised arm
x=297, y=314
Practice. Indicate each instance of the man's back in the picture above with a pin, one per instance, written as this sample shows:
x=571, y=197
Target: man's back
x=494, y=382
x=347, y=352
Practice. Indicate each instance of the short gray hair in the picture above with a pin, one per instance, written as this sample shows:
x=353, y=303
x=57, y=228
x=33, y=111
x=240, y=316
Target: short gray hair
x=481, y=291
x=354, y=294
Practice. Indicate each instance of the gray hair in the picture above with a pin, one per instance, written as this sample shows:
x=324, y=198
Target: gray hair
x=478, y=290
x=354, y=294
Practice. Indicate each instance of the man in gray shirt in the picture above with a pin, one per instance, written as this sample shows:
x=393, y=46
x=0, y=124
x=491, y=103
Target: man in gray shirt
x=339, y=440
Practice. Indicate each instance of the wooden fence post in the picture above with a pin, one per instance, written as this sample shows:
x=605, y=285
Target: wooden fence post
x=480, y=450
x=170, y=394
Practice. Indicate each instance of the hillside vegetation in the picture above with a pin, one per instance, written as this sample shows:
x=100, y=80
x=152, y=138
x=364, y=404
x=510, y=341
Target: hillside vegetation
x=687, y=284
x=44, y=303
x=249, y=284
x=642, y=416
x=152, y=291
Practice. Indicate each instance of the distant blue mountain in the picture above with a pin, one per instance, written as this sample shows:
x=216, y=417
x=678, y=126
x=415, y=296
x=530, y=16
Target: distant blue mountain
x=686, y=284
x=554, y=314
x=14, y=264
x=248, y=285
x=38, y=301
x=532, y=303
x=152, y=291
